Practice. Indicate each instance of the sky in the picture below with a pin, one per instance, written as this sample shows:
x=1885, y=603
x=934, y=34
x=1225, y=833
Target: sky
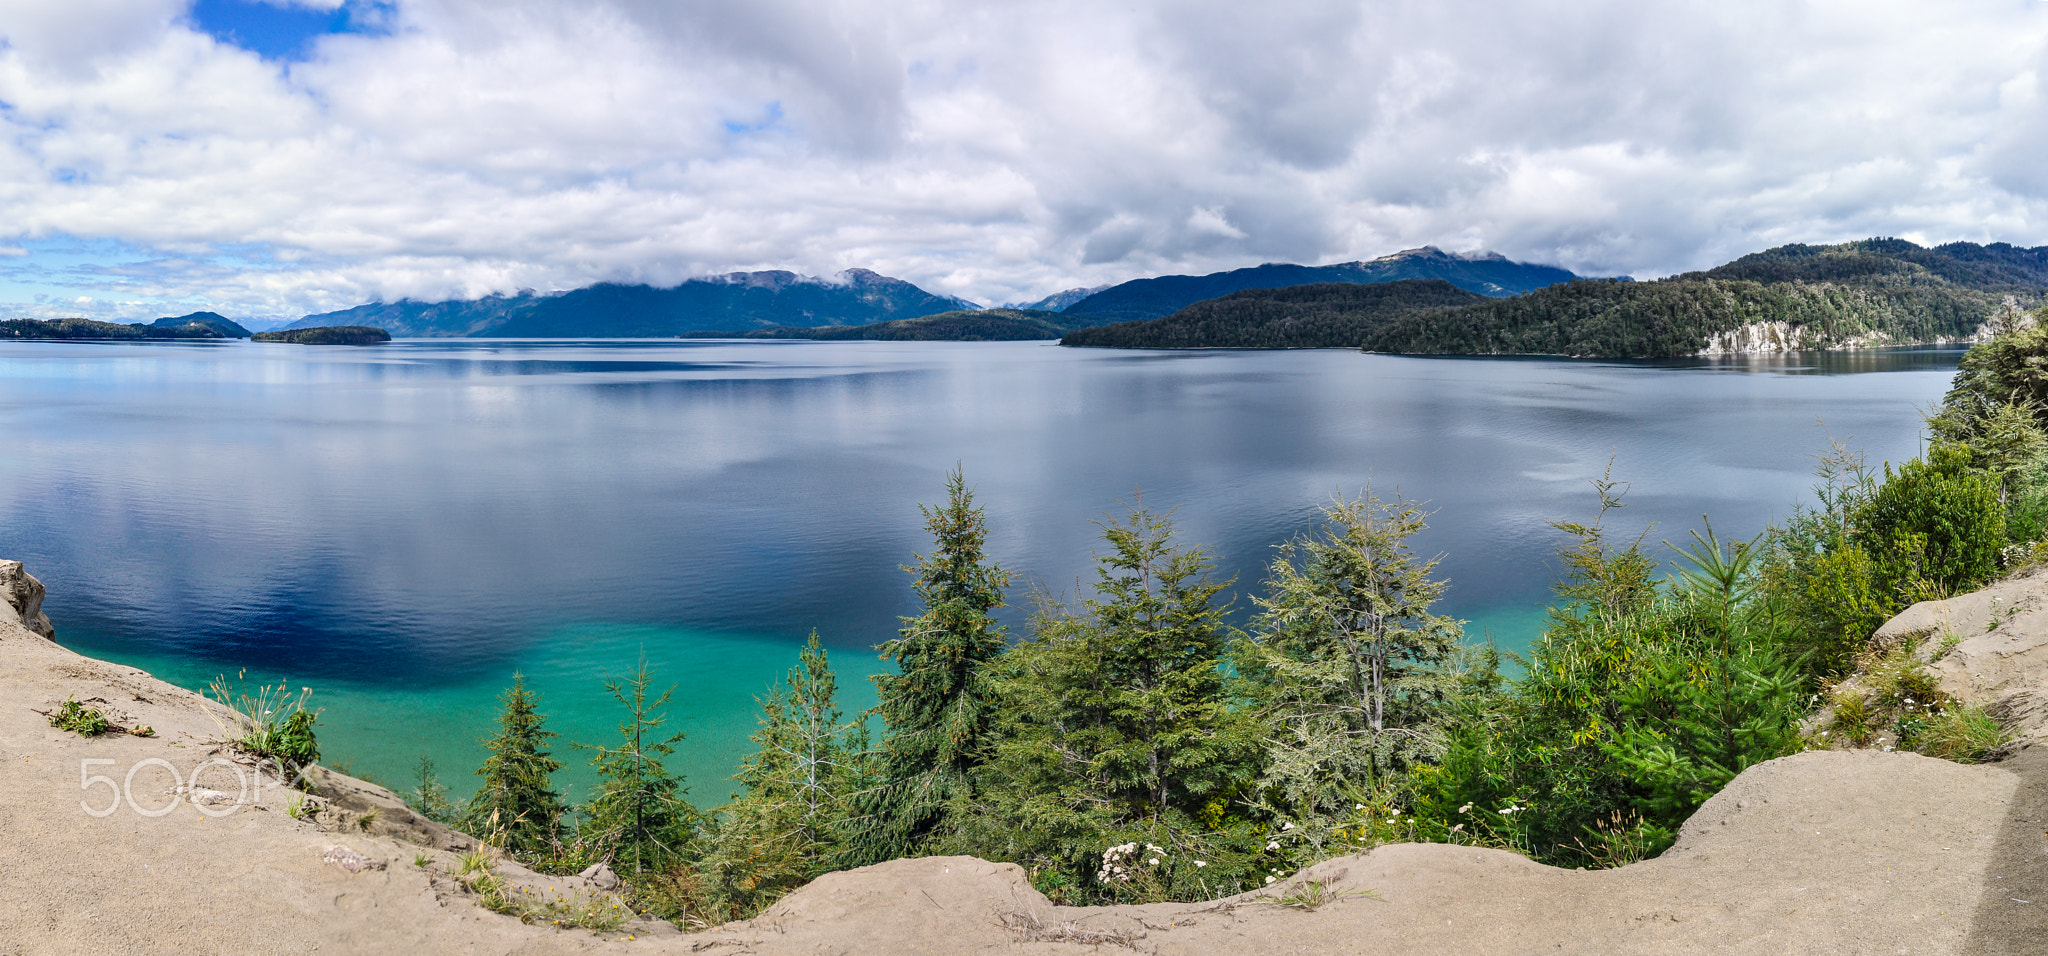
x=271, y=158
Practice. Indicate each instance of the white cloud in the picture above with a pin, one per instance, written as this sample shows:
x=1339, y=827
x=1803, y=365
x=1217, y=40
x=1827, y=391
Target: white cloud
x=995, y=151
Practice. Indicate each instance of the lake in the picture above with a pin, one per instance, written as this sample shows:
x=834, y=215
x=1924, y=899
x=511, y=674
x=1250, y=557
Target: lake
x=402, y=527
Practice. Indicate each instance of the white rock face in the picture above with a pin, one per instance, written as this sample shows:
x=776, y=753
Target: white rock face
x=1757, y=338
x=24, y=595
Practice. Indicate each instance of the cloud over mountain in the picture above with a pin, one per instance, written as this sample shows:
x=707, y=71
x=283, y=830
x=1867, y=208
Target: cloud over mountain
x=998, y=152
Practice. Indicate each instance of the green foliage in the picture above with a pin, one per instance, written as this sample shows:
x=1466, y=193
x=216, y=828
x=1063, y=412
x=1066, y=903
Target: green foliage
x=1675, y=316
x=270, y=724
x=429, y=796
x=326, y=335
x=1323, y=315
x=1351, y=672
x=516, y=808
x=1636, y=704
x=1963, y=733
x=1893, y=700
x=1936, y=525
x=937, y=707
x=91, y=329
x=787, y=825
x=80, y=719
x=1142, y=299
x=1117, y=729
x=638, y=818
x=1928, y=529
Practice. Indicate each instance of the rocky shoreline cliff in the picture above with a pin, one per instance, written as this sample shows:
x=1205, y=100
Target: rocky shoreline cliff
x=171, y=845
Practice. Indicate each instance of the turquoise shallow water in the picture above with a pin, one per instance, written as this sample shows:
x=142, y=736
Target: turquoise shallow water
x=380, y=730
x=404, y=527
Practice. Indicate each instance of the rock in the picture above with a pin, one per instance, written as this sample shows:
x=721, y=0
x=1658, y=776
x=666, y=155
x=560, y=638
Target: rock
x=24, y=594
x=349, y=860
x=601, y=876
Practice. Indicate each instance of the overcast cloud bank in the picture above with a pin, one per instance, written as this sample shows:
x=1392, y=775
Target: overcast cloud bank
x=998, y=152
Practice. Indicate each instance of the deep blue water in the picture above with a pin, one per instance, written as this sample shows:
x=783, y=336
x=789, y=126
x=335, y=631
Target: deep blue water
x=402, y=527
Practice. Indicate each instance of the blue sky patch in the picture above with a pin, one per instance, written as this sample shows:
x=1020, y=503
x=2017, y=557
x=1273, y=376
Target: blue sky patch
x=277, y=32
x=770, y=115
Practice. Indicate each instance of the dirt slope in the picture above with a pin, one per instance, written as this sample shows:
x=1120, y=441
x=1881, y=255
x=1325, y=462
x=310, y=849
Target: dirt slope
x=1817, y=853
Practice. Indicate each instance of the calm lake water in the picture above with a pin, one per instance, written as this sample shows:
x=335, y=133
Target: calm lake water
x=403, y=527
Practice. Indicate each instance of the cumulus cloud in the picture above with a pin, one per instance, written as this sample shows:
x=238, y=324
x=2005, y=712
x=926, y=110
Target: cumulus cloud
x=993, y=151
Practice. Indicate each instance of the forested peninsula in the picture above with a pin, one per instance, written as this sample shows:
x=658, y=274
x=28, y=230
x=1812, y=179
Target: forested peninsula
x=960, y=325
x=1859, y=294
x=90, y=330
x=1320, y=316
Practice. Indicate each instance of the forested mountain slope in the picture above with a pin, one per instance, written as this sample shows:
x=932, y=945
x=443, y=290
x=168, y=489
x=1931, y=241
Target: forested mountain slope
x=1485, y=273
x=1324, y=315
x=1873, y=292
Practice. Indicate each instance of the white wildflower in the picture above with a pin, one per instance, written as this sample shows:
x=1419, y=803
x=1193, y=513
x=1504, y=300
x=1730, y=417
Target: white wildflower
x=1201, y=862
x=1272, y=844
x=1269, y=879
x=1286, y=826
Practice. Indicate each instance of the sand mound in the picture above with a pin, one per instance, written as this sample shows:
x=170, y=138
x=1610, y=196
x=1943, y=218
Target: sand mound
x=1831, y=852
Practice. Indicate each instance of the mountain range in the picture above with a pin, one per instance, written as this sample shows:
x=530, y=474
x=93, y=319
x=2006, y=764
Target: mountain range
x=746, y=301
x=736, y=301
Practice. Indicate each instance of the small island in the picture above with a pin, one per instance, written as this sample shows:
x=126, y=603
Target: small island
x=327, y=335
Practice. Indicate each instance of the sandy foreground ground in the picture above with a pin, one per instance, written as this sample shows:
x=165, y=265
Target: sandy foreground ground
x=103, y=851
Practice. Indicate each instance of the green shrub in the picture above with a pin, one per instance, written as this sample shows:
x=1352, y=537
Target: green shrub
x=1846, y=605
x=1935, y=525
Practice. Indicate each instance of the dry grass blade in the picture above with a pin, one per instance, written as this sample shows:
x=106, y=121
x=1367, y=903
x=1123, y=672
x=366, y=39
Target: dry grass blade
x=1030, y=929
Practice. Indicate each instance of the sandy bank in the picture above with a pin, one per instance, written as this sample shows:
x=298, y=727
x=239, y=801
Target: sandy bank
x=1832, y=852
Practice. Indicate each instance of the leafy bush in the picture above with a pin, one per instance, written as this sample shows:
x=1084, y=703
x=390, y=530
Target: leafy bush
x=80, y=719
x=1936, y=525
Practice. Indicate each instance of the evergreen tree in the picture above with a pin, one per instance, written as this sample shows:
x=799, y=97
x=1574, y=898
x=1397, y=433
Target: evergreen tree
x=517, y=807
x=936, y=709
x=639, y=817
x=429, y=797
x=783, y=830
x=1353, y=668
x=1117, y=722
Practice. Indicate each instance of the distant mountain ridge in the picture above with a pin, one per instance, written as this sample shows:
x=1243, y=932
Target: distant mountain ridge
x=735, y=301
x=1488, y=273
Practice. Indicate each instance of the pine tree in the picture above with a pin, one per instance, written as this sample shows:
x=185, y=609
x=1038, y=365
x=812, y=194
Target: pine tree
x=1353, y=668
x=783, y=830
x=1117, y=723
x=936, y=709
x=639, y=817
x=517, y=807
